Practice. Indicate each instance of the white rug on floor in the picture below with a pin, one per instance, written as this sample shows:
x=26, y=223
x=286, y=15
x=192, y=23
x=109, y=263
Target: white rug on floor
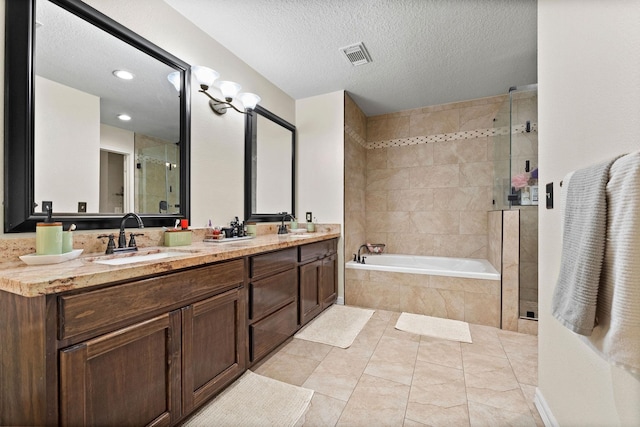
x=436, y=327
x=337, y=326
x=255, y=400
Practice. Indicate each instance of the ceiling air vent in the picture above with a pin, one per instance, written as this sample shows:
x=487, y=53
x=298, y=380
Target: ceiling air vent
x=356, y=54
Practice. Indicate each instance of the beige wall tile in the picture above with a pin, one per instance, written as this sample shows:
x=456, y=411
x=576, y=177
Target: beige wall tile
x=463, y=198
x=438, y=176
x=409, y=244
x=476, y=174
x=473, y=222
x=483, y=309
x=388, y=179
x=376, y=200
x=388, y=128
x=434, y=222
x=460, y=151
x=410, y=156
x=432, y=302
x=377, y=159
x=494, y=249
x=479, y=116
x=460, y=246
x=419, y=199
x=398, y=222
x=434, y=123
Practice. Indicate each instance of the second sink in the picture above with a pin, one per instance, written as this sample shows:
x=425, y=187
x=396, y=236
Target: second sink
x=133, y=258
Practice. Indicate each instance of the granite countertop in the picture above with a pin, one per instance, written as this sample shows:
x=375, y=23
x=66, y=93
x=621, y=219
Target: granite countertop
x=34, y=280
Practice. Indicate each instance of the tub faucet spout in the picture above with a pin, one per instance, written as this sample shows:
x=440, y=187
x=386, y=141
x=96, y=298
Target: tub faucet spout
x=359, y=259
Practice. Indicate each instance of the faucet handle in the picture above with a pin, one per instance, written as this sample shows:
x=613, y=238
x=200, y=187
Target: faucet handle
x=132, y=239
x=111, y=245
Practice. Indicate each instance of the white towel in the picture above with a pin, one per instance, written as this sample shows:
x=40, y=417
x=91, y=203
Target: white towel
x=617, y=334
x=583, y=241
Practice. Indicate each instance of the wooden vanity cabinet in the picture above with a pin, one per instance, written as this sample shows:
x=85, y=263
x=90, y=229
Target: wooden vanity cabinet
x=213, y=346
x=317, y=278
x=272, y=301
x=158, y=370
x=127, y=377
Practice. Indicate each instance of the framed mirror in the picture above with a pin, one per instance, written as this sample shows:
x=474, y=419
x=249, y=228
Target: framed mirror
x=66, y=145
x=270, y=166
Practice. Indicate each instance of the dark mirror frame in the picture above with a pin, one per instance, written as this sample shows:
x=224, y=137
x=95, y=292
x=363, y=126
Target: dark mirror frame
x=19, y=215
x=250, y=140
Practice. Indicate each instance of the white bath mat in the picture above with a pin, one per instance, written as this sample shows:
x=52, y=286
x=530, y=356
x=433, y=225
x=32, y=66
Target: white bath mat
x=337, y=326
x=255, y=400
x=436, y=327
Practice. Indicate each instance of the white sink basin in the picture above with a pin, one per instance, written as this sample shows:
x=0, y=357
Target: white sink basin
x=133, y=258
x=301, y=235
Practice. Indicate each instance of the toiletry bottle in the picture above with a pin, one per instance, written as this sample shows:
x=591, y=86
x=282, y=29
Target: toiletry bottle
x=311, y=227
x=49, y=236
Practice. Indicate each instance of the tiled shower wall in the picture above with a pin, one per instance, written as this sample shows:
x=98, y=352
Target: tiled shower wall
x=429, y=177
x=355, y=176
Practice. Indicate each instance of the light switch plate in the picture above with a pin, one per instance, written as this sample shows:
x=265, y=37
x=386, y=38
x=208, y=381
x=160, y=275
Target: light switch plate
x=549, y=195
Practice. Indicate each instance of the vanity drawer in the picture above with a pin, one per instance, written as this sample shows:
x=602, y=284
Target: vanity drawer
x=269, y=293
x=272, y=262
x=272, y=331
x=102, y=309
x=317, y=250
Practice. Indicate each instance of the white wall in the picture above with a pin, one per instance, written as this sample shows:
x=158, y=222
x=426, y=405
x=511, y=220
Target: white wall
x=217, y=142
x=320, y=174
x=589, y=111
x=69, y=130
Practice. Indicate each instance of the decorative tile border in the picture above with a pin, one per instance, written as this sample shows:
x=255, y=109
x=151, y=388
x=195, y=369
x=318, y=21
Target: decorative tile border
x=356, y=137
x=470, y=134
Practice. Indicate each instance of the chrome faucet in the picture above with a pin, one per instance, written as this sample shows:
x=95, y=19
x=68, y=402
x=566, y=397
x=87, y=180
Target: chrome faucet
x=282, y=229
x=122, y=238
x=358, y=258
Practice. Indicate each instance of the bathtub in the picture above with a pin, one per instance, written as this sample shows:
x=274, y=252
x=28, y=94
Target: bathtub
x=452, y=288
x=436, y=266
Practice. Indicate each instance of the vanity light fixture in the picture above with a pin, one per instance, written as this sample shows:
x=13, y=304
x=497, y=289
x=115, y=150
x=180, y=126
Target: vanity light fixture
x=206, y=77
x=174, y=79
x=124, y=75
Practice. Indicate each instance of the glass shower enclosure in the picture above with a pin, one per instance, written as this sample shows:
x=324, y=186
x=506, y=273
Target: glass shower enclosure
x=516, y=183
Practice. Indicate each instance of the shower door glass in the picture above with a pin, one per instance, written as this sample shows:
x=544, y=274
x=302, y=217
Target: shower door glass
x=157, y=178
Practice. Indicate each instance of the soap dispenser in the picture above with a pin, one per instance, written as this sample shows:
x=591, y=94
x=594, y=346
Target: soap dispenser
x=49, y=236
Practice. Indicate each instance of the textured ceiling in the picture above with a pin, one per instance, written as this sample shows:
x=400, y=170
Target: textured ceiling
x=424, y=52
x=76, y=54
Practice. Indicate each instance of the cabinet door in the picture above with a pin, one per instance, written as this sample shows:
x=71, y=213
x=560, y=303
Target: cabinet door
x=310, y=302
x=130, y=377
x=328, y=281
x=214, y=351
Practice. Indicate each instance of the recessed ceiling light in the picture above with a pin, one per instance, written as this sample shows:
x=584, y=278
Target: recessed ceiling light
x=124, y=117
x=124, y=75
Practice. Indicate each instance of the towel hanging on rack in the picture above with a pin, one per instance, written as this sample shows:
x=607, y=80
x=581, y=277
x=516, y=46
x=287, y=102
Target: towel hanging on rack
x=617, y=333
x=585, y=222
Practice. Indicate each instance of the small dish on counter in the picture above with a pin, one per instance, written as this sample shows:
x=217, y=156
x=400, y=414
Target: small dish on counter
x=35, y=259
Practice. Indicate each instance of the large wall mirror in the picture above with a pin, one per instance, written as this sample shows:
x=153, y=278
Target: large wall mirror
x=270, y=153
x=83, y=138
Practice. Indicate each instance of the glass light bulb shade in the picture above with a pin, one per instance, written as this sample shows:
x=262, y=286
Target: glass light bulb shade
x=204, y=76
x=249, y=100
x=174, y=79
x=229, y=89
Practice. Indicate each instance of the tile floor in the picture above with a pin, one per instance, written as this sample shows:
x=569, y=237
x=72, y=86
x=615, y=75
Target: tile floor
x=394, y=378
